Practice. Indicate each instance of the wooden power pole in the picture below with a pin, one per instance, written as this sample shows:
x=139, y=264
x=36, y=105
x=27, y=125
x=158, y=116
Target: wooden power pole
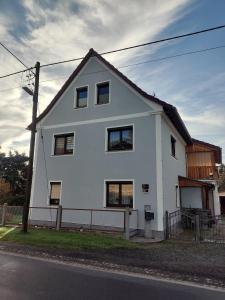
x=31, y=153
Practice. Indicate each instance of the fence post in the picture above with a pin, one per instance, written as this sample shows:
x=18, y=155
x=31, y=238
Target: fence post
x=59, y=218
x=127, y=224
x=167, y=225
x=197, y=228
x=4, y=210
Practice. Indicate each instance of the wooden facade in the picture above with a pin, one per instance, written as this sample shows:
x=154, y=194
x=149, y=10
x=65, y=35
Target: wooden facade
x=202, y=159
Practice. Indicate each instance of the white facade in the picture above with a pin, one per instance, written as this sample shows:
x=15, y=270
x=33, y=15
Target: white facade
x=84, y=173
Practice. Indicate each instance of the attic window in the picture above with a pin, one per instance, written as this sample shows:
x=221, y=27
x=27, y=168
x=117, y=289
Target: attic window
x=103, y=93
x=173, y=146
x=81, y=97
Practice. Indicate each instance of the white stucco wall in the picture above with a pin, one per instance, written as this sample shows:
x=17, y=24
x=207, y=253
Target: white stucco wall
x=83, y=174
x=172, y=166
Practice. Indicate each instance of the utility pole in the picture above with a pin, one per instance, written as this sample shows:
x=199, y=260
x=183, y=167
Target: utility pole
x=31, y=153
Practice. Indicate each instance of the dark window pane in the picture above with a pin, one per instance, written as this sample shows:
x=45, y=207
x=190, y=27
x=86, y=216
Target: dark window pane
x=120, y=139
x=82, y=95
x=173, y=146
x=103, y=93
x=127, y=195
x=114, y=140
x=127, y=139
x=113, y=194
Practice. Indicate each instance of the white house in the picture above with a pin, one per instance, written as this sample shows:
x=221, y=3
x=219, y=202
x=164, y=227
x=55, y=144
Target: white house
x=103, y=143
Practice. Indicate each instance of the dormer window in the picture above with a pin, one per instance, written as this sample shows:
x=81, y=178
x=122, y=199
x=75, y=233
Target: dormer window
x=81, y=97
x=103, y=93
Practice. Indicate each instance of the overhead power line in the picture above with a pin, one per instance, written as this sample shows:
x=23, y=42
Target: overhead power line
x=126, y=48
x=149, y=61
x=14, y=55
x=142, y=45
x=135, y=64
x=18, y=72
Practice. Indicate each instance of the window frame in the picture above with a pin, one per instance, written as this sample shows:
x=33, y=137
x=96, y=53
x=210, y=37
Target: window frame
x=173, y=142
x=118, y=181
x=96, y=92
x=64, y=134
x=115, y=128
x=49, y=194
x=76, y=99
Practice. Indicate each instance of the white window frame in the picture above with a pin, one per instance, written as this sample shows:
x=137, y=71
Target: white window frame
x=49, y=192
x=53, y=144
x=96, y=93
x=119, y=126
x=75, y=96
x=104, y=191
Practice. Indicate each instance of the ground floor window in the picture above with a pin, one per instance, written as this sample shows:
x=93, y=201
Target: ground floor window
x=119, y=194
x=55, y=193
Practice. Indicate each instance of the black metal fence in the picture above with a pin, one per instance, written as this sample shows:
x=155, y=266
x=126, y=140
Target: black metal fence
x=195, y=225
x=212, y=229
x=180, y=225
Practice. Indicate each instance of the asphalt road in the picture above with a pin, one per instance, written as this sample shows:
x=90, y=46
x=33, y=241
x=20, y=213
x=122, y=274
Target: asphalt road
x=27, y=278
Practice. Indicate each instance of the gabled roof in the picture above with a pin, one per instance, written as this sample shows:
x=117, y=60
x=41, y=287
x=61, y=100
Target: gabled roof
x=216, y=149
x=169, y=109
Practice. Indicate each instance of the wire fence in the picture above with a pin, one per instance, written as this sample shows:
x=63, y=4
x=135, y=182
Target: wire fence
x=11, y=215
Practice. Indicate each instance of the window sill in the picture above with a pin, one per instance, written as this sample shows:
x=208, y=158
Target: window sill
x=61, y=155
x=53, y=206
x=119, y=151
x=117, y=207
x=96, y=104
x=77, y=108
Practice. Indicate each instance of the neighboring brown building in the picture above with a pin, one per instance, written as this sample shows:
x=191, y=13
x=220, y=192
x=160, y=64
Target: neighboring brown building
x=200, y=188
x=202, y=159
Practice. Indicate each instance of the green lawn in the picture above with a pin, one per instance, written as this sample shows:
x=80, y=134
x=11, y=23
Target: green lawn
x=66, y=240
x=3, y=231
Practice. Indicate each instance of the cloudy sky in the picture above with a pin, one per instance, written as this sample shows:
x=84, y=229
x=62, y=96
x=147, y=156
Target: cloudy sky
x=54, y=30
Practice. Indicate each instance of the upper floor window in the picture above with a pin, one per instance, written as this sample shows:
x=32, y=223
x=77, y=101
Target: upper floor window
x=55, y=193
x=173, y=146
x=103, y=93
x=64, y=144
x=120, y=139
x=81, y=97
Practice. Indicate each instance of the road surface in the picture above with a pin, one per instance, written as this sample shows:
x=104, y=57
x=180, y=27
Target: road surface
x=25, y=278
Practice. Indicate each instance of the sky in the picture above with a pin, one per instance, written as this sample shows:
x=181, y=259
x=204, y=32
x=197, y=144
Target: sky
x=55, y=30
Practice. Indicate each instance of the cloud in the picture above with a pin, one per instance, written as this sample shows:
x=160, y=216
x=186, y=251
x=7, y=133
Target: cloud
x=59, y=30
